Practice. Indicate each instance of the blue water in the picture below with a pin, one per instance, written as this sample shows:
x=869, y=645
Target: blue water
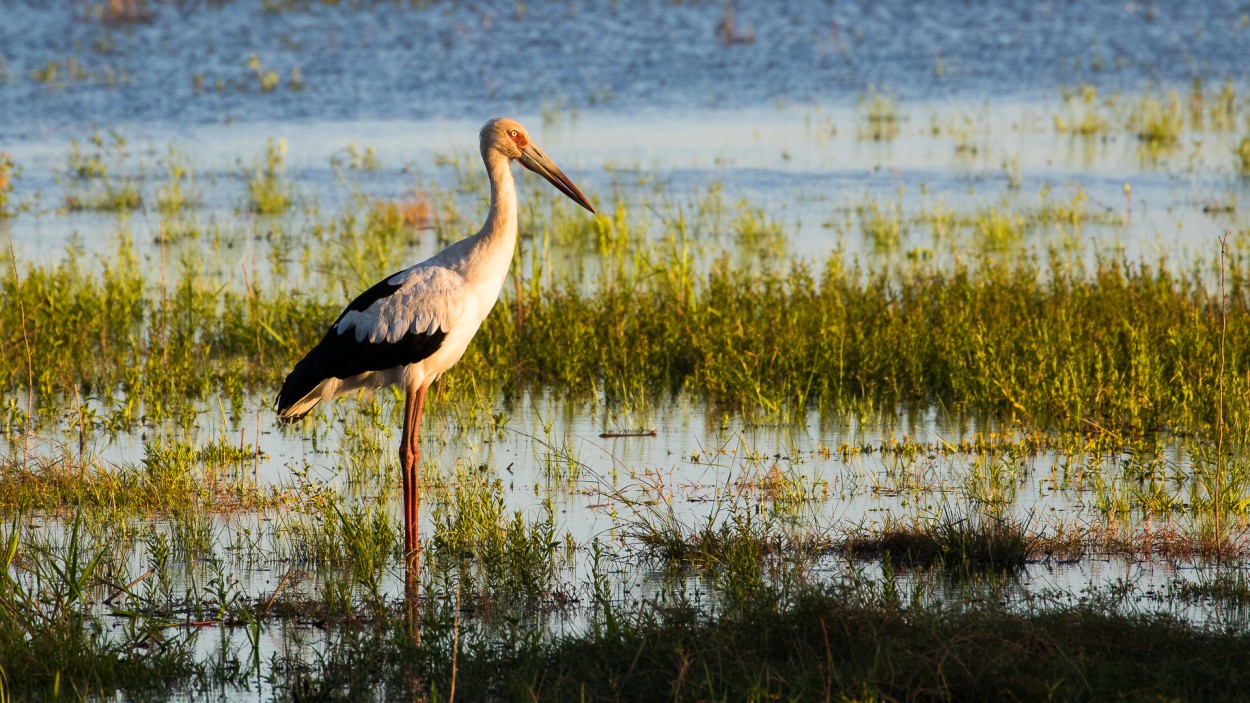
x=364, y=60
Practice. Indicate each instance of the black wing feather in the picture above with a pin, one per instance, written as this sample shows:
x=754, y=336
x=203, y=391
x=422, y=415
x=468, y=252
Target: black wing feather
x=343, y=356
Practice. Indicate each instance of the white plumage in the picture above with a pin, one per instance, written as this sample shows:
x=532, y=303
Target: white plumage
x=425, y=301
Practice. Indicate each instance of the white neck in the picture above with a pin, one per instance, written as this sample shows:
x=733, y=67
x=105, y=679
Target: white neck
x=501, y=222
x=483, y=258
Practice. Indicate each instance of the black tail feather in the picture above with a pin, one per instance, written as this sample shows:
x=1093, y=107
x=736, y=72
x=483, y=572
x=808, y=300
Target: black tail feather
x=343, y=356
x=299, y=383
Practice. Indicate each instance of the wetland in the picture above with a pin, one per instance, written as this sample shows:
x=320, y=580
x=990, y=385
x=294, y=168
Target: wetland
x=907, y=357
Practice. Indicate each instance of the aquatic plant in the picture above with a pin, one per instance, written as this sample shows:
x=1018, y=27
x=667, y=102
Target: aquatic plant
x=51, y=640
x=1083, y=117
x=976, y=540
x=8, y=172
x=1158, y=124
x=1054, y=342
x=882, y=226
x=268, y=192
x=498, y=557
x=856, y=644
x=882, y=118
x=172, y=198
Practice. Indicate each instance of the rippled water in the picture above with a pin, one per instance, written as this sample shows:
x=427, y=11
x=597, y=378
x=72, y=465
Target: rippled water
x=455, y=60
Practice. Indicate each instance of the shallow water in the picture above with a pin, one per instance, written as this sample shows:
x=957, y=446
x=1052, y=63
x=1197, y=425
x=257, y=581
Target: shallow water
x=784, y=161
x=641, y=103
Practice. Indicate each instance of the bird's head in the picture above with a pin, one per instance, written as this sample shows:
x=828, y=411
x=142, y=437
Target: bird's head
x=508, y=137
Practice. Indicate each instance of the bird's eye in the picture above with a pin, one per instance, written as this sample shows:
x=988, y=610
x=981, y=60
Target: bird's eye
x=512, y=132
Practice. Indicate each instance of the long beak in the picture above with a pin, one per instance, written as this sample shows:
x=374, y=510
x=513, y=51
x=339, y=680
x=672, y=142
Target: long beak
x=535, y=160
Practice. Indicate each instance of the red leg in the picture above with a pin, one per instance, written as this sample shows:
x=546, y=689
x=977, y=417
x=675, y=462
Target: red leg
x=409, y=455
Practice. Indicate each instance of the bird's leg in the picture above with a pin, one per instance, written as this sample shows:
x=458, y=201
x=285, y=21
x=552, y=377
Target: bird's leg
x=409, y=455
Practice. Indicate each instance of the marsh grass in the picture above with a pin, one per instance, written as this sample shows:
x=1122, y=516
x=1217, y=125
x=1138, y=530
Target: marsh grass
x=171, y=477
x=1228, y=585
x=849, y=641
x=498, y=557
x=739, y=549
x=882, y=226
x=330, y=528
x=854, y=638
x=1221, y=106
x=997, y=229
x=962, y=541
x=1158, y=123
x=50, y=640
x=1157, y=120
x=1054, y=341
x=853, y=645
x=1083, y=116
x=268, y=191
x=91, y=185
x=881, y=118
x=109, y=196
x=8, y=173
x=179, y=192
x=1094, y=367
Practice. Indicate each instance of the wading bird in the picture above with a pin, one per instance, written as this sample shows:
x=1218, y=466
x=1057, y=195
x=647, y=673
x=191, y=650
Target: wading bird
x=414, y=325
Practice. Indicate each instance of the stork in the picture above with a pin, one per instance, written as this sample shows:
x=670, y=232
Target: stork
x=415, y=324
